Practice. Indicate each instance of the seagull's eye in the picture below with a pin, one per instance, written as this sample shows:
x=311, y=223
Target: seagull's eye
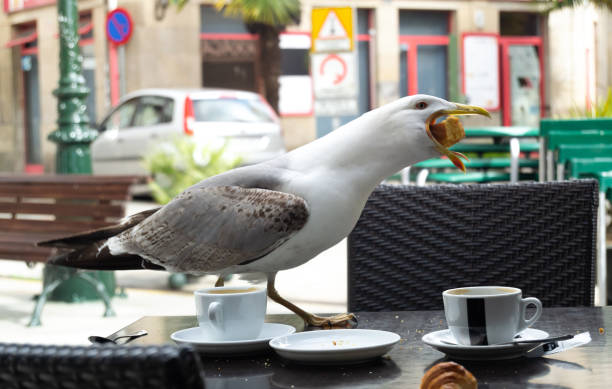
x=421, y=105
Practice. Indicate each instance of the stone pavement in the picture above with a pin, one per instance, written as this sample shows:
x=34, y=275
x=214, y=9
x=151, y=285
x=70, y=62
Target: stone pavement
x=318, y=286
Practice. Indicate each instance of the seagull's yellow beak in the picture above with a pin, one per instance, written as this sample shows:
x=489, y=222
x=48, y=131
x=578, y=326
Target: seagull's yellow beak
x=450, y=131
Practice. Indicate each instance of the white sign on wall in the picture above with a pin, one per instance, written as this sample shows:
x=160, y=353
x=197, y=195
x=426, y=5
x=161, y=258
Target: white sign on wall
x=481, y=70
x=295, y=95
x=334, y=75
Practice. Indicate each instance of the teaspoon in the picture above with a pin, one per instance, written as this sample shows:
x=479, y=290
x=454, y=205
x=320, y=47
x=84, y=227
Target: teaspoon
x=102, y=339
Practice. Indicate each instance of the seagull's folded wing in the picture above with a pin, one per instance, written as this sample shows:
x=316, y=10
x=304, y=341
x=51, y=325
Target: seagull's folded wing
x=207, y=229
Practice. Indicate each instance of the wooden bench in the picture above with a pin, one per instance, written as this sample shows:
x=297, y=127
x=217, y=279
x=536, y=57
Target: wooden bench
x=36, y=208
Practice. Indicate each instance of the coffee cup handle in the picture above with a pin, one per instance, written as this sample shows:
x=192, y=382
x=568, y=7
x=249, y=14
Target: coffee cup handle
x=524, y=303
x=215, y=314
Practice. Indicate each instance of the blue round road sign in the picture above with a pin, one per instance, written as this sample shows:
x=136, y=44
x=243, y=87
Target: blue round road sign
x=118, y=26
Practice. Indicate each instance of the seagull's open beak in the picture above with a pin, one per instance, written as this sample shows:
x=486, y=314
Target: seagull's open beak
x=450, y=131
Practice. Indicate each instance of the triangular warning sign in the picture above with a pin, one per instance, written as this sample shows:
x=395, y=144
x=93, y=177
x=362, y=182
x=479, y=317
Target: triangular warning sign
x=332, y=27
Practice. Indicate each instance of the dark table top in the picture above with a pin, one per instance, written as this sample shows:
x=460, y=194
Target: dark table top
x=588, y=366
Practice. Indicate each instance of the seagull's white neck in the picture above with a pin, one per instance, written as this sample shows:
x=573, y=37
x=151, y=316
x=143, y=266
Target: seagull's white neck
x=365, y=151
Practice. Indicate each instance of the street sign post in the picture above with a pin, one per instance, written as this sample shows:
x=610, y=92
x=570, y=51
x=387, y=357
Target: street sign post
x=332, y=29
x=333, y=62
x=119, y=26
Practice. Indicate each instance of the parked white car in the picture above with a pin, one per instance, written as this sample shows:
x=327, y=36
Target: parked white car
x=147, y=117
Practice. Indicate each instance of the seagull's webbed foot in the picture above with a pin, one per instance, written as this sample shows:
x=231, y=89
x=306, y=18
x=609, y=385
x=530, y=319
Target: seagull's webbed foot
x=220, y=281
x=346, y=320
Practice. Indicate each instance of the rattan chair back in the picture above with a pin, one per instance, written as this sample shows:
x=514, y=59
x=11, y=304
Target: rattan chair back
x=412, y=243
x=134, y=367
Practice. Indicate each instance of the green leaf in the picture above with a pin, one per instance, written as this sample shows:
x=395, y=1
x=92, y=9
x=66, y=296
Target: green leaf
x=174, y=166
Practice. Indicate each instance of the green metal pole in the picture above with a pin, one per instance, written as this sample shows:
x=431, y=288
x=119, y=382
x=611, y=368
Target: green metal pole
x=73, y=137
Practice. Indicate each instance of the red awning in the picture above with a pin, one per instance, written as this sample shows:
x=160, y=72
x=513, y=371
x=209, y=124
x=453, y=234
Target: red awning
x=22, y=40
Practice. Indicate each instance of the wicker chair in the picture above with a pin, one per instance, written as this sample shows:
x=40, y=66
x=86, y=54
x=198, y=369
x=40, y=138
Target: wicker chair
x=411, y=243
x=133, y=367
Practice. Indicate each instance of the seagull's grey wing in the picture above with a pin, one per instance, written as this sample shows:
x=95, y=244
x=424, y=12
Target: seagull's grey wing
x=207, y=229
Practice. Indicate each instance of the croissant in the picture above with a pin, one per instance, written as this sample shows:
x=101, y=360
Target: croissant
x=449, y=131
x=448, y=375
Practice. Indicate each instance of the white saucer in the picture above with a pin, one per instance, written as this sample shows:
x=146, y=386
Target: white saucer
x=197, y=338
x=501, y=351
x=334, y=346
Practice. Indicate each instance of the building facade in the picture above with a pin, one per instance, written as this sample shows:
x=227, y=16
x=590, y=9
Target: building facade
x=506, y=55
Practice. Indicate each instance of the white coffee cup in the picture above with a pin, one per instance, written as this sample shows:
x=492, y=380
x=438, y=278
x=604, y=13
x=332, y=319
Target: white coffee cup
x=231, y=312
x=484, y=315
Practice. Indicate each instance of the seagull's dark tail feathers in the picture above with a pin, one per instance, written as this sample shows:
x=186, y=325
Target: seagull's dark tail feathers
x=87, y=238
x=92, y=258
x=87, y=250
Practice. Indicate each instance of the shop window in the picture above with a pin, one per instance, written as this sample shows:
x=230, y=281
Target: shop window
x=522, y=68
x=424, y=56
x=519, y=24
x=295, y=92
x=213, y=21
x=229, y=51
x=232, y=75
x=424, y=22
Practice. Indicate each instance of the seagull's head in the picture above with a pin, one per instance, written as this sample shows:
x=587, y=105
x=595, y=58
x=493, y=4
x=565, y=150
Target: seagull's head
x=422, y=112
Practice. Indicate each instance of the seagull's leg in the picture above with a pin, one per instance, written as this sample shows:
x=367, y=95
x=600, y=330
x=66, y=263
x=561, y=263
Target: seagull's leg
x=220, y=281
x=343, y=320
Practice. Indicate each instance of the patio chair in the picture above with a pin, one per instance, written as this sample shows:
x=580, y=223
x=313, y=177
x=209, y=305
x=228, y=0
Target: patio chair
x=412, y=243
x=134, y=367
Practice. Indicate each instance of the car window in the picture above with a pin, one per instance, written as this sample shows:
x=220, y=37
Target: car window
x=121, y=117
x=154, y=110
x=231, y=110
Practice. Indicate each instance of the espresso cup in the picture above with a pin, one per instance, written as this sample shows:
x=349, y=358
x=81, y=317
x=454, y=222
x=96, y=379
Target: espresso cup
x=231, y=312
x=483, y=315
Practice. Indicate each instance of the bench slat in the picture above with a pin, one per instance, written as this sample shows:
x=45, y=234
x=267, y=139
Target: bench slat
x=64, y=179
x=68, y=226
x=75, y=209
x=77, y=203
x=110, y=192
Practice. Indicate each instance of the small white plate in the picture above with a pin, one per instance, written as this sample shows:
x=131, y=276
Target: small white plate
x=197, y=338
x=335, y=346
x=501, y=351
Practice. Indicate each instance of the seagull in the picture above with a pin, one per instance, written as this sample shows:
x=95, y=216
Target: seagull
x=278, y=214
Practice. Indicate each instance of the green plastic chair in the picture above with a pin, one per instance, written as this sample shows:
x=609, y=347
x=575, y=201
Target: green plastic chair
x=580, y=167
x=552, y=126
x=566, y=152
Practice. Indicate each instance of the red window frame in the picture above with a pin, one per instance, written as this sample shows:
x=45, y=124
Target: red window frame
x=413, y=42
x=504, y=43
x=228, y=36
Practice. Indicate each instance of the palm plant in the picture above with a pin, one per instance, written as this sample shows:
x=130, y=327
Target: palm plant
x=558, y=4
x=602, y=108
x=267, y=18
